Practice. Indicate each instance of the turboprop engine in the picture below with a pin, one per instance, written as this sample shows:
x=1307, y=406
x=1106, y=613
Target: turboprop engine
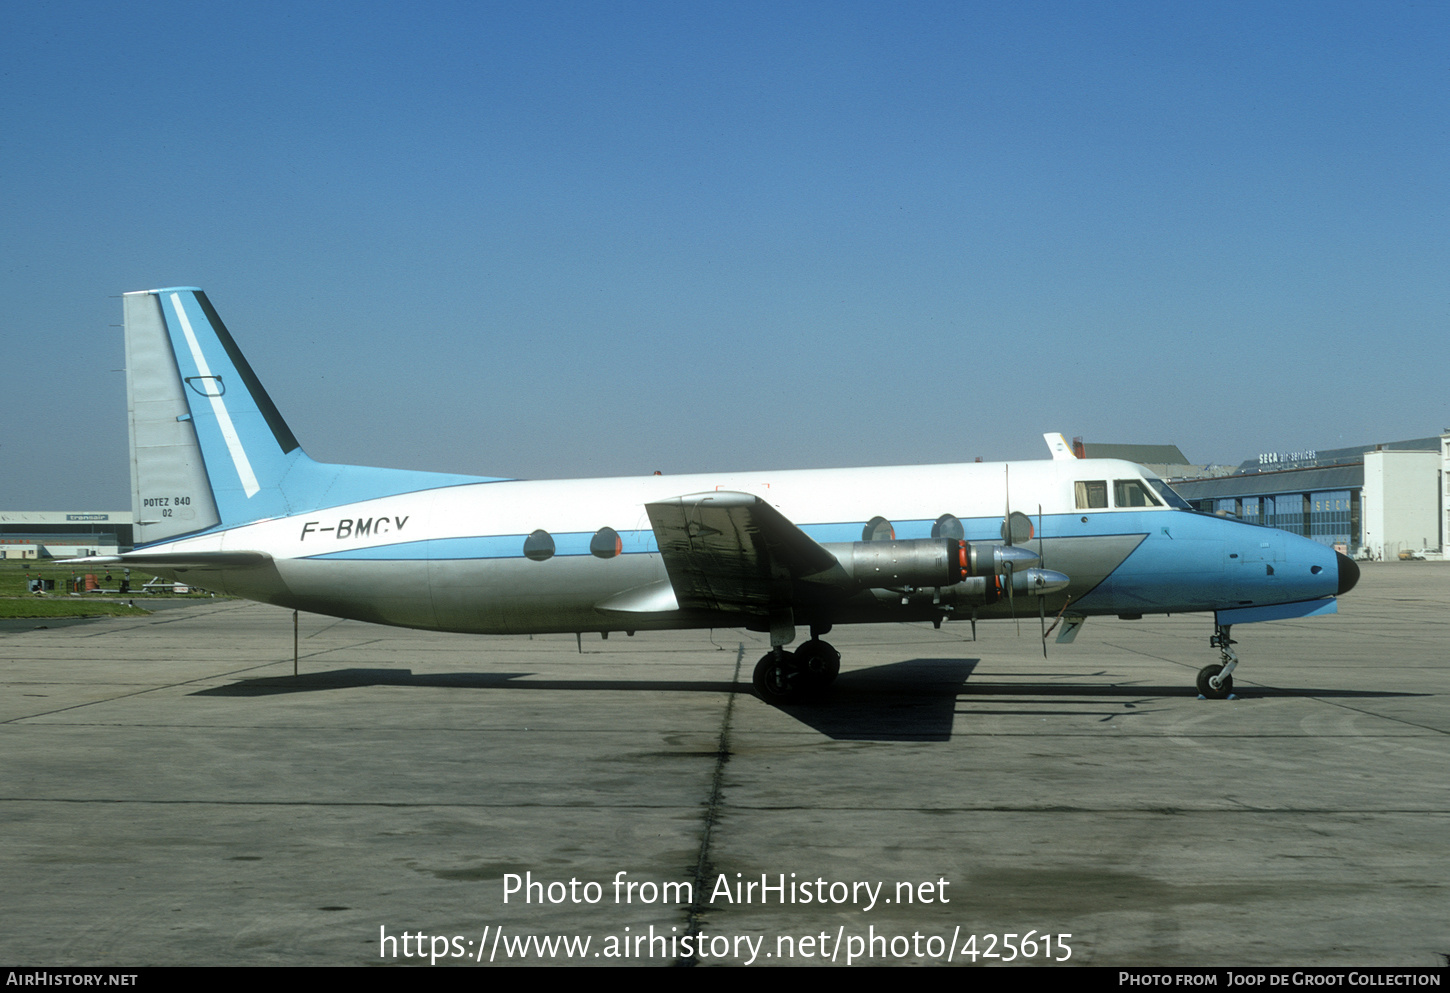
x=961, y=570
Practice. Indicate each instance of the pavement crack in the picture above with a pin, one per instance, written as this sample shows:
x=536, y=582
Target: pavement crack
x=712, y=808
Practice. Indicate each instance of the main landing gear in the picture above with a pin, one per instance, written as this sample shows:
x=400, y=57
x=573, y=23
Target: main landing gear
x=1216, y=682
x=783, y=677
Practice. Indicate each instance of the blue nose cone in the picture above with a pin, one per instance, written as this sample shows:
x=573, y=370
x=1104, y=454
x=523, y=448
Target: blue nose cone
x=1348, y=573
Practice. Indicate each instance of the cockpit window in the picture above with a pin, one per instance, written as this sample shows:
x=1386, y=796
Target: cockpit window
x=1132, y=493
x=1092, y=494
x=1169, y=496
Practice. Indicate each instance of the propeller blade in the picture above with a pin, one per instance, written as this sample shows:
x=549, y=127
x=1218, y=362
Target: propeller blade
x=1007, y=503
x=1041, y=604
x=1007, y=537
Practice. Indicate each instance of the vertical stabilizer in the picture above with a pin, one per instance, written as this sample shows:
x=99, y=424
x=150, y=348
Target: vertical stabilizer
x=208, y=447
x=170, y=493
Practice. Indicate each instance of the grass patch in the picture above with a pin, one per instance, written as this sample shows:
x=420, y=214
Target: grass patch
x=15, y=575
x=65, y=606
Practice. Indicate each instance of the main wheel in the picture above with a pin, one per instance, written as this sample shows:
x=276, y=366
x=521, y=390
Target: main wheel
x=778, y=679
x=1225, y=685
x=820, y=662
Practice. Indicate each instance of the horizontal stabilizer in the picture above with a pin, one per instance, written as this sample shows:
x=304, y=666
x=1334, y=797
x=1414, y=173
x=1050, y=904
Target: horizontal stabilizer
x=177, y=560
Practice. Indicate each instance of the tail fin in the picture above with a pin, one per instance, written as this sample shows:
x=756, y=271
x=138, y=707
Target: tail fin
x=208, y=447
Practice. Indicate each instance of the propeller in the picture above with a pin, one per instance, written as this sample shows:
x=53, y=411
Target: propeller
x=1041, y=603
x=1017, y=528
x=1011, y=524
x=1007, y=537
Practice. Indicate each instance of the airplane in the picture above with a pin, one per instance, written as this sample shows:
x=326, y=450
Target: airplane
x=224, y=495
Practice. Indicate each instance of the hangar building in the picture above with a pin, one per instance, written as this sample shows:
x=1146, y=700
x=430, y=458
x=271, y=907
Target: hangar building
x=1372, y=501
x=39, y=534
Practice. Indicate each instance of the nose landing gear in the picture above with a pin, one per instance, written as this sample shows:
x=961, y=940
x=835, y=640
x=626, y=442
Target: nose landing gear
x=1215, y=682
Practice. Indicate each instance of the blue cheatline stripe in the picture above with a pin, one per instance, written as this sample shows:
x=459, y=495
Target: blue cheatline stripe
x=487, y=546
x=505, y=546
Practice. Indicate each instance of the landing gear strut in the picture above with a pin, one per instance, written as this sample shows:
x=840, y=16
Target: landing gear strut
x=783, y=677
x=1216, y=681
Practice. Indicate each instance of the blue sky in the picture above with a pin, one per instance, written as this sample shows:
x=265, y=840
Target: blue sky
x=607, y=238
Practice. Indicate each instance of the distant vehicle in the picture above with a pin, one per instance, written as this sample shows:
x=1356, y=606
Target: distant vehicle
x=224, y=495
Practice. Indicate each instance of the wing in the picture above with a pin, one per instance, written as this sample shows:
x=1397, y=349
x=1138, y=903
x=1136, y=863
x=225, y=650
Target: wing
x=733, y=552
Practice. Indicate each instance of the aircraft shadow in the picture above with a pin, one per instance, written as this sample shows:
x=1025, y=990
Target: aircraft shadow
x=912, y=700
x=918, y=699
x=915, y=700
x=342, y=679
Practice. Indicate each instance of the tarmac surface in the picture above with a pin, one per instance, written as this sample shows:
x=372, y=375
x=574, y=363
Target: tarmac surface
x=170, y=794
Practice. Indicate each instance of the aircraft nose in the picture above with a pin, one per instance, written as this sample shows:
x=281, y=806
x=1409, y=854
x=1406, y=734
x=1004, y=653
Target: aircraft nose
x=1348, y=573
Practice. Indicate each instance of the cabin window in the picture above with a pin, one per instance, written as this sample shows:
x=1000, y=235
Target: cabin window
x=539, y=546
x=1132, y=493
x=1092, y=494
x=606, y=543
x=947, y=526
x=878, y=529
x=1017, y=528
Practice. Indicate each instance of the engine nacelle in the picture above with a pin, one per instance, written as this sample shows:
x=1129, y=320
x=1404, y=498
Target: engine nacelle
x=975, y=590
x=928, y=562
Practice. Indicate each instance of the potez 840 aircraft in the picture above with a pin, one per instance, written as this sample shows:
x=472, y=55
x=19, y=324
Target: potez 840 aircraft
x=224, y=496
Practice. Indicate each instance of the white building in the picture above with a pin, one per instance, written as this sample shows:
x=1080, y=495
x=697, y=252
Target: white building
x=1397, y=509
x=40, y=534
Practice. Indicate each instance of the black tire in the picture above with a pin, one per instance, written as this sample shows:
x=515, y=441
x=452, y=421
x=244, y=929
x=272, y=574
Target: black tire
x=1225, y=687
x=820, y=662
x=778, y=679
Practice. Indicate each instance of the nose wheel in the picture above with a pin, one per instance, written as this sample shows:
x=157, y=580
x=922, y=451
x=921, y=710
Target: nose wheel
x=1213, y=684
x=1216, y=682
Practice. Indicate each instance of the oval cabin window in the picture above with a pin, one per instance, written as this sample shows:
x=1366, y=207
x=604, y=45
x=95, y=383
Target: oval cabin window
x=606, y=543
x=878, y=529
x=539, y=546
